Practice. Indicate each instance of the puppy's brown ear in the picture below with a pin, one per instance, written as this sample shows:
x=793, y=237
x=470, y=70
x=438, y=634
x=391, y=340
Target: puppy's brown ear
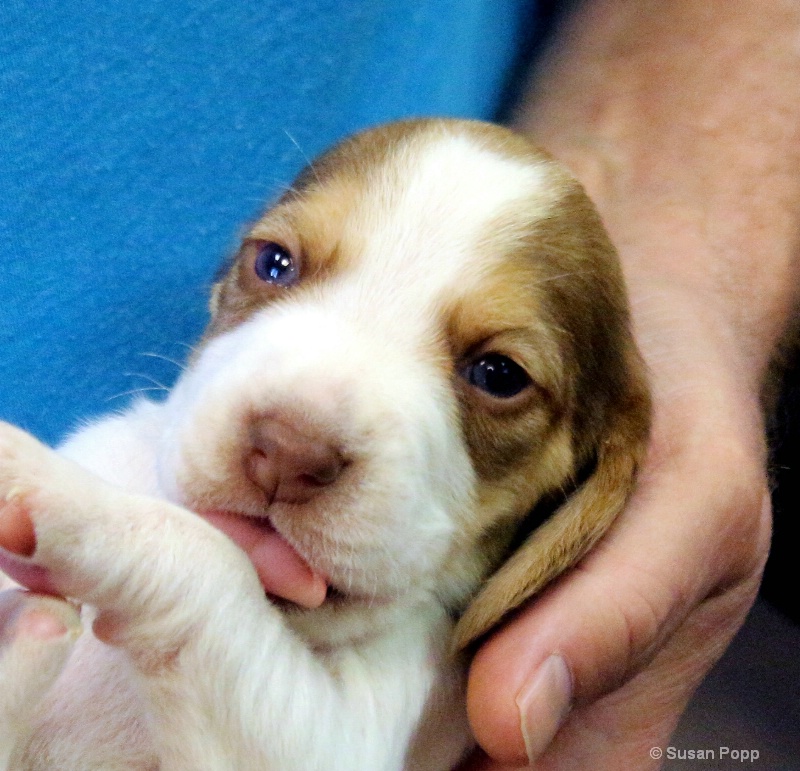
x=578, y=523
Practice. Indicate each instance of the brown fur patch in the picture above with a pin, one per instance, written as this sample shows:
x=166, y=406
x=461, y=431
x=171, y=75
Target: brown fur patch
x=603, y=403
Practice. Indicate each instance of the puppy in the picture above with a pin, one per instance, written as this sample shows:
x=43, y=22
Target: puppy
x=425, y=340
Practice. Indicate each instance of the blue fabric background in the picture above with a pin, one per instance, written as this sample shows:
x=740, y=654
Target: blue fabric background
x=137, y=138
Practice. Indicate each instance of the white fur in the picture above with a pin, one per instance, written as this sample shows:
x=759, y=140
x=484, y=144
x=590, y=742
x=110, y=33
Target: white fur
x=206, y=673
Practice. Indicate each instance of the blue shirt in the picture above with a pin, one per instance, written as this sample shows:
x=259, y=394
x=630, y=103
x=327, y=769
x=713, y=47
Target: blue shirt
x=137, y=139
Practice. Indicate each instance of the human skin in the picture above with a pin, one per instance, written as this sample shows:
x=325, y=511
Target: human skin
x=680, y=120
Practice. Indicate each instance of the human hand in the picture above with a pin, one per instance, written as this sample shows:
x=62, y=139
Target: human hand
x=641, y=621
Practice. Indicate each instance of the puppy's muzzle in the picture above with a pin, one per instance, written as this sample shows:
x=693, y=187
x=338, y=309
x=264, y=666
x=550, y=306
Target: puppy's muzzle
x=290, y=460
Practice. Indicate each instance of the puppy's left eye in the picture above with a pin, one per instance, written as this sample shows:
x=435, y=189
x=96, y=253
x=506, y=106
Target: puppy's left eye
x=275, y=264
x=498, y=376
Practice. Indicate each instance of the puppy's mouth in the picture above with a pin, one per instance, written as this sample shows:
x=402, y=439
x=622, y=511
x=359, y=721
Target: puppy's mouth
x=281, y=569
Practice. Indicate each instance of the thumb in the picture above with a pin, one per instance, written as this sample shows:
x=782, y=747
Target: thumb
x=610, y=654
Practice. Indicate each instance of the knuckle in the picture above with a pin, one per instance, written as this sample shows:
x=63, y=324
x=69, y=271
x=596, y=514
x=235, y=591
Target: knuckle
x=642, y=619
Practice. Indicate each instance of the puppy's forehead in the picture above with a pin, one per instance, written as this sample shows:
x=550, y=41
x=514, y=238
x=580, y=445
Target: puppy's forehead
x=449, y=190
x=428, y=207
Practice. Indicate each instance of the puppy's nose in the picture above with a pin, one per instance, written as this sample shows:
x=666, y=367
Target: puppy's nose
x=292, y=464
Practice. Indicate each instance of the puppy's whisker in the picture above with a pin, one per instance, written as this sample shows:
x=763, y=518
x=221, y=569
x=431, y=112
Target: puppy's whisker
x=181, y=366
x=193, y=349
x=136, y=391
x=309, y=164
x=159, y=385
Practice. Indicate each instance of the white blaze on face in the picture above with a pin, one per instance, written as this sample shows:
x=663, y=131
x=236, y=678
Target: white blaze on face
x=421, y=226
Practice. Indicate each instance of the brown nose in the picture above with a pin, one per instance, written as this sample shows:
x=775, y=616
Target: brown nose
x=291, y=464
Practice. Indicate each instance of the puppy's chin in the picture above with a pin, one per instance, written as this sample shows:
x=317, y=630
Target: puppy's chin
x=352, y=619
x=285, y=575
x=326, y=615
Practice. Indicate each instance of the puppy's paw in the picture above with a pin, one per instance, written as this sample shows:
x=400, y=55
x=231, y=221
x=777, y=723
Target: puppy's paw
x=36, y=636
x=149, y=567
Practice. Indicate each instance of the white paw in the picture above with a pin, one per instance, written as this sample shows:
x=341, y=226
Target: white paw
x=155, y=572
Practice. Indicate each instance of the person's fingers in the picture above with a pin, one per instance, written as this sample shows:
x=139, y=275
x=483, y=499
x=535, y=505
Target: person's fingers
x=698, y=526
x=630, y=727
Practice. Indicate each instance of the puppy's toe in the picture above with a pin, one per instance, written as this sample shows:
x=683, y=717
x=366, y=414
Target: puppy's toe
x=36, y=636
x=19, y=454
x=34, y=626
x=23, y=460
x=30, y=618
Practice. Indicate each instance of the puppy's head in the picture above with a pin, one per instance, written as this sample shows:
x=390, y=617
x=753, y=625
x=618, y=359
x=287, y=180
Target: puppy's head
x=426, y=336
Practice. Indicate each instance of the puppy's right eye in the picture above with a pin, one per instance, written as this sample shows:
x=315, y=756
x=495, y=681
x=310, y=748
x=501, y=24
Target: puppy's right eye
x=498, y=376
x=275, y=264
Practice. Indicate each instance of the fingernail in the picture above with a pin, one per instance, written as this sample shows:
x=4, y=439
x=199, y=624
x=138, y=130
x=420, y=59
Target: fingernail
x=544, y=704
